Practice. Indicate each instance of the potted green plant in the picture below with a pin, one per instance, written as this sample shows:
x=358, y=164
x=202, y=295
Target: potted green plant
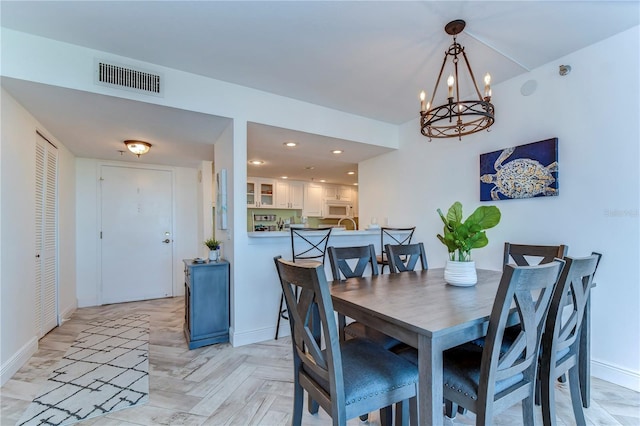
x=214, y=248
x=461, y=237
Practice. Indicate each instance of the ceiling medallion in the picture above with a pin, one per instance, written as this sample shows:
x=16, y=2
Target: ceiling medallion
x=456, y=117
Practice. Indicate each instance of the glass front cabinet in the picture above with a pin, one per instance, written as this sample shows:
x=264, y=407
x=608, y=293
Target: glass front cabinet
x=260, y=193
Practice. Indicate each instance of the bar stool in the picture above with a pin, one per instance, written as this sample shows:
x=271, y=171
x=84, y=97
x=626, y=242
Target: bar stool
x=307, y=244
x=395, y=236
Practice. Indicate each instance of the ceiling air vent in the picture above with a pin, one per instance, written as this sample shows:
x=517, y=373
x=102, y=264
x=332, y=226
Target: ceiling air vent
x=124, y=77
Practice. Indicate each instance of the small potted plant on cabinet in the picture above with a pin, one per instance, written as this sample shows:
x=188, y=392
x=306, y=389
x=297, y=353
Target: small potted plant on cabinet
x=214, y=248
x=461, y=237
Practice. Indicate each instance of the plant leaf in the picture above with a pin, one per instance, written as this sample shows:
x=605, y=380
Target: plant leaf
x=484, y=216
x=455, y=213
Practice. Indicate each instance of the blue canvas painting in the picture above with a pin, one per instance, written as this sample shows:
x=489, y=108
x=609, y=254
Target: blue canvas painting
x=523, y=171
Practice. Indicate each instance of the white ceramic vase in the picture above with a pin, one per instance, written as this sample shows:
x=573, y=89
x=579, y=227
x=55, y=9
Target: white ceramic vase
x=461, y=274
x=213, y=255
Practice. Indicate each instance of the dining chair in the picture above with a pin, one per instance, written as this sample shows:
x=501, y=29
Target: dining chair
x=307, y=244
x=403, y=258
x=361, y=257
x=391, y=235
x=524, y=254
x=491, y=378
x=346, y=378
x=561, y=342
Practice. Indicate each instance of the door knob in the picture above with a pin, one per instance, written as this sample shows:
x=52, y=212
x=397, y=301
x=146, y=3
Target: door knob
x=167, y=241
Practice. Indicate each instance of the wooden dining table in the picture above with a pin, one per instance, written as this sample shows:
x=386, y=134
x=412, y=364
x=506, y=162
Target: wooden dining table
x=422, y=310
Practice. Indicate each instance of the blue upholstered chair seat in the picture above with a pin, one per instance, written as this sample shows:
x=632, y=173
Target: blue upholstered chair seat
x=356, y=329
x=370, y=371
x=462, y=369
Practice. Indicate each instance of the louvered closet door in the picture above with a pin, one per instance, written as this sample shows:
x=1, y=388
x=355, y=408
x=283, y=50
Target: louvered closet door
x=46, y=265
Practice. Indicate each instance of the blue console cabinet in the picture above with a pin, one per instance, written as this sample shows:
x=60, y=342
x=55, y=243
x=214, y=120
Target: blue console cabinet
x=206, y=302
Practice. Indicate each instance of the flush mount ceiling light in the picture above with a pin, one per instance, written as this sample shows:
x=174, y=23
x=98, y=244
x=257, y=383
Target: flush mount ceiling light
x=351, y=172
x=456, y=117
x=290, y=144
x=256, y=162
x=337, y=151
x=138, y=147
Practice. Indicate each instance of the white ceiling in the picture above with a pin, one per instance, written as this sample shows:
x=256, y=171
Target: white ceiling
x=369, y=58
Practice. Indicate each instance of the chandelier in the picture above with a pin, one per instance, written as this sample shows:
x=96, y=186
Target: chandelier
x=456, y=117
x=138, y=147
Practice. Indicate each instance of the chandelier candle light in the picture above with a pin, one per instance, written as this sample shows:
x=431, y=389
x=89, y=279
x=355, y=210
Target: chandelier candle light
x=456, y=118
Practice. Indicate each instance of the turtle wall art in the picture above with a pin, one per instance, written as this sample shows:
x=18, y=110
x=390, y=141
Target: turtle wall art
x=523, y=171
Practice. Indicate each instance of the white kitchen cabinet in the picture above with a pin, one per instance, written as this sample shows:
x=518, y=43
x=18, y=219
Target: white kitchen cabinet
x=337, y=192
x=313, y=200
x=261, y=193
x=289, y=195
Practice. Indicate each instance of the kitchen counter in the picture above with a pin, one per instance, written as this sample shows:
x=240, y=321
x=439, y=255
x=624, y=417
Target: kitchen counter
x=337, y=232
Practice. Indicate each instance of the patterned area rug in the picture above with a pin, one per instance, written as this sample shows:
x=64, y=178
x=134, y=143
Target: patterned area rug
x=106, y=369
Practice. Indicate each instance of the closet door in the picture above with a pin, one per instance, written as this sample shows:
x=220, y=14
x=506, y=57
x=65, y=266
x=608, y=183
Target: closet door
x=46, y=264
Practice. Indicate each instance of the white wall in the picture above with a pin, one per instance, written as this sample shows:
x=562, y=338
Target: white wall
x=185, y=235
x=17, y=289
x=594, y=113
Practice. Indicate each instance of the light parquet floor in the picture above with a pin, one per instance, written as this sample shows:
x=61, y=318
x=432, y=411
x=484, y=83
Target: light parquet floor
x=248, y=385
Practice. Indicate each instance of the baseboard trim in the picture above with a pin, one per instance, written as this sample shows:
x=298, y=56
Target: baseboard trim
x=18, y=359
x=260, y=335
x=65, y=315
x=616, y=375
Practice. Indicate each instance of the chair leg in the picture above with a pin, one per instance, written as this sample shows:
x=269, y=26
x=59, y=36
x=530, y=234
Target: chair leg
x=547, y=399
x=280, y=314
x=386, y=416
x=413, y=411
x=450, y=409
x=576, y=395
x=527, y=411
x=298, y=394
x=402, y=413
x=312, y=405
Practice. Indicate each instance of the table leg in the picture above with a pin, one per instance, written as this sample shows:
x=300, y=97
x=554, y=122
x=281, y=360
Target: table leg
x=584, y=357
x=430, y=382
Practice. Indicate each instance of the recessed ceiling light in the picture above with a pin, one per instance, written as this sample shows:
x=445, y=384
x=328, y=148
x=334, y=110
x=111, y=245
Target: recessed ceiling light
x=309, y=168
x=323, y=180
x=337, y=151
x=355, y=184
x=284, y=177
x=256, y=162
x=290, y=144
x=351, y=172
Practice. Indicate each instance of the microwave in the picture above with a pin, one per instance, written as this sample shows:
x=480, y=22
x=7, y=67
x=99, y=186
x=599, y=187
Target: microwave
x=337, y=209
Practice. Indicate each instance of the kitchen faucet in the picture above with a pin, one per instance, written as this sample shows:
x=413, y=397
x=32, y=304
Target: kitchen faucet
x=355, y=227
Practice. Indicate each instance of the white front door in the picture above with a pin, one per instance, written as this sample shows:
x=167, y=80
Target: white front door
x=136, y=233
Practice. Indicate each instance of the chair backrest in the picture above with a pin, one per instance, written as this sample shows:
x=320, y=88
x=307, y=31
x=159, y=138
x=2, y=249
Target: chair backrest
x=313, y=303
x=309, y=243
x=525, y=255
x=403, y=258
x=341, y=259
x=395, y=236
x=529, y=289
x=562, y=329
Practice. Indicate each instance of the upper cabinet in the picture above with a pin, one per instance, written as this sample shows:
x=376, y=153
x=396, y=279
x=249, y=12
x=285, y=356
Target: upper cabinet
x=338, y=192
x=289, y=195
x=261, y=193
x=313, y=200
